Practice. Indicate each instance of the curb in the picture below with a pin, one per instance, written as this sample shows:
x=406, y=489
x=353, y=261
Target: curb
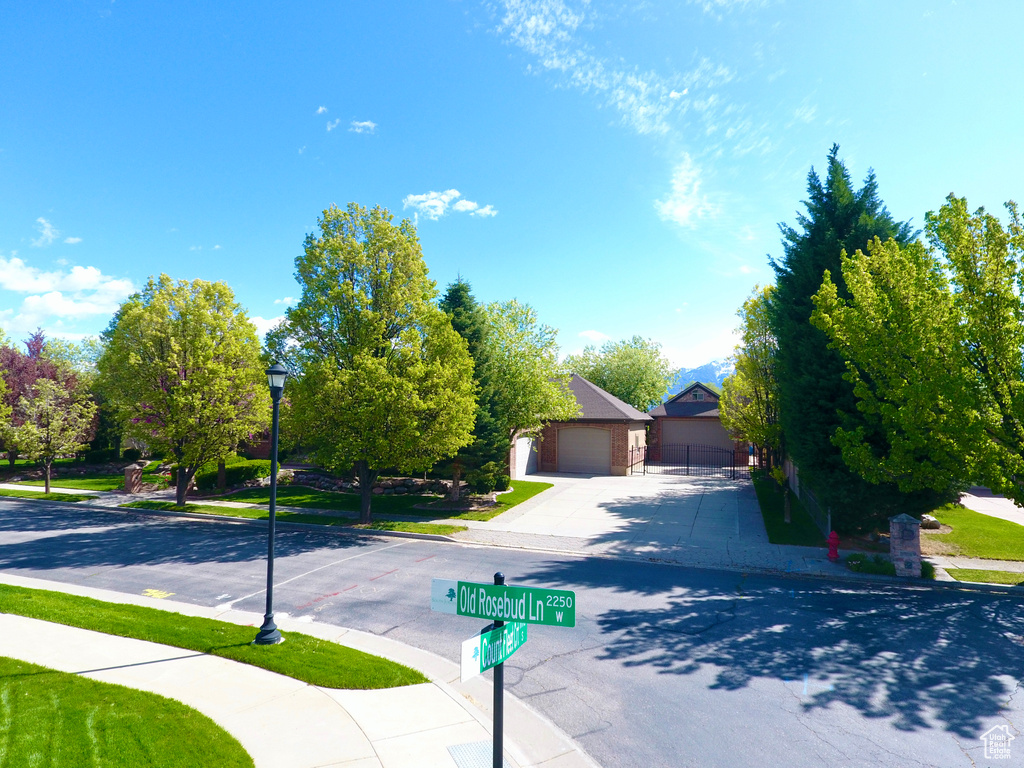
x=532, y=740
x=846, y=578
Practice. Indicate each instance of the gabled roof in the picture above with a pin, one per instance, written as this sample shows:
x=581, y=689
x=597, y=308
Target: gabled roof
x=598, y=405
x=678, y=407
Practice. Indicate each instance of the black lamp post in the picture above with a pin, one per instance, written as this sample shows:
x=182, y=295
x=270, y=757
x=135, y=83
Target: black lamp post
x=269, y=634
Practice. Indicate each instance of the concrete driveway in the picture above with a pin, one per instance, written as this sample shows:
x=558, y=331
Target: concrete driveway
x=648, y=512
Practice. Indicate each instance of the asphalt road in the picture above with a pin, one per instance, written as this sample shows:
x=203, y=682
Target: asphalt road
x=667, y=666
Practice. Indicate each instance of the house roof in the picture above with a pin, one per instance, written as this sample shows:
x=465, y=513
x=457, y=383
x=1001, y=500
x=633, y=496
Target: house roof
x=678, y=407
x=598, y=405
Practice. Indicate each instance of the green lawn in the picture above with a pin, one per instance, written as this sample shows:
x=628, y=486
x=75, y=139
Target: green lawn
x=314, y=498
x=99, y=482
x=295, y=517
x=986, y=577
x=302, y=496
x=62, y=720
x=521, y=491
x=978, y=535
x=90, y=482
x=305, y=658
x=801, y=531
x=72, y=497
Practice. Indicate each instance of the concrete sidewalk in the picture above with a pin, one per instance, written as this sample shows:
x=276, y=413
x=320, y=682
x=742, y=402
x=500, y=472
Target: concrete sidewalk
x=284, y=722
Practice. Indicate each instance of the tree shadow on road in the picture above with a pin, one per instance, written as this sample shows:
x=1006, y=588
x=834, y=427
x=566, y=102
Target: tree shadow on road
x=922, y=657
x=92, y=538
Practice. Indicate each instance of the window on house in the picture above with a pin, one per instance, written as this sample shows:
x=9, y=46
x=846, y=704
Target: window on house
x=698, y=395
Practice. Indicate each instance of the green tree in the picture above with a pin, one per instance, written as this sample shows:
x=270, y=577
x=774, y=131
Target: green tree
x=749, y=405
x=530, y=385
x=634, y=370
x=934, y=348
x=56, y=422
x=489, y=445
x=814, y=398
x=387, y=383
x=182, y=370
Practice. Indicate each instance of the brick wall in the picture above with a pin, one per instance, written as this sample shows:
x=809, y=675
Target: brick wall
x=622, y=436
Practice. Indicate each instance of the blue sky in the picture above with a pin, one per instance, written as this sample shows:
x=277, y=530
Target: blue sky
x=622, y=167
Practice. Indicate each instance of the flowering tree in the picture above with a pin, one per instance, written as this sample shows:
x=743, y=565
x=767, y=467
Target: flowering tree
x=182, y=371
x=55, y=421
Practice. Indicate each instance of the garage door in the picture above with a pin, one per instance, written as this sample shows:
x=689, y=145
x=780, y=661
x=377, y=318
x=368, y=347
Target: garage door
x=585, y=450
x=695, y=432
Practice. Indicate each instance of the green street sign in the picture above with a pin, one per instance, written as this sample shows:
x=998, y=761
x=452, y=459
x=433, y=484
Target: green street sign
x=531, y=605
x=488, y=649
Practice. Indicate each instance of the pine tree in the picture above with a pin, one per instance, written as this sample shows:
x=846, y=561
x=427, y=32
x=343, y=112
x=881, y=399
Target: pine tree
x=489, y=443
x=814, y=398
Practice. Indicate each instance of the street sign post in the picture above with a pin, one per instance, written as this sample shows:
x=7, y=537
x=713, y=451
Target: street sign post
x=490, y=648
x=500, y=602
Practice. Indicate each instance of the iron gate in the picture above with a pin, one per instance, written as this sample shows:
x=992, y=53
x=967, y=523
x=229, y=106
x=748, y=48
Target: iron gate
x=695, y=461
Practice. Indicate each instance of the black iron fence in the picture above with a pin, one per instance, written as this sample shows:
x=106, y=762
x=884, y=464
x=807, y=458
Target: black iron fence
x=637, y=457
x=696, y=461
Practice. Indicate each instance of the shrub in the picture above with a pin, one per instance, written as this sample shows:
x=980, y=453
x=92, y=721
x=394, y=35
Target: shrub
x=235, y=473
x=131, y=454
x=487, y=478
x=101, y=456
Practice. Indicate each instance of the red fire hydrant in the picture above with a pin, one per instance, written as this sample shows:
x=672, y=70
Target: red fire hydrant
x=833, y=546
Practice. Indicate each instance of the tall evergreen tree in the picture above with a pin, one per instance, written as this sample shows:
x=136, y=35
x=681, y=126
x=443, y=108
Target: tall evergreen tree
x=489, y=442
x=815, y=399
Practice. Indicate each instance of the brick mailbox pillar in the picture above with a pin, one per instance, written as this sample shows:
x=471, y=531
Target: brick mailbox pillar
x=905, y=545
x=133, y=477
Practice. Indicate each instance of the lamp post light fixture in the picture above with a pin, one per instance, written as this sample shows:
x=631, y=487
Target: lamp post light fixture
x=269, y=634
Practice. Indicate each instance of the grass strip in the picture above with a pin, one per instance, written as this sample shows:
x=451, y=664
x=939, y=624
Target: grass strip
x=72, y=497
x=302, y=657
x=987, y=577
x=296, y=517
x=861, y=562
x=58, y=719
x=521, y=491
x=978, y=535
x=801, y=531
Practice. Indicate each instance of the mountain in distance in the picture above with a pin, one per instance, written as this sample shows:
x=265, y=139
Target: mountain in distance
x=709, y=373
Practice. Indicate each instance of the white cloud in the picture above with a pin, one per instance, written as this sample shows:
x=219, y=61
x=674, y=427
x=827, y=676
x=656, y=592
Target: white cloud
x=434, y=205
x=594, y=336
x=363, y=126
x=332, y=124
x=195, y=247
x=288, y=301
x=264, y=324
x=60, y=295
x=685, y=204
x=47, y=233
x=72, y=240
x=302, y=149
x=646, y=101
x=321, y=110
x=216, y=247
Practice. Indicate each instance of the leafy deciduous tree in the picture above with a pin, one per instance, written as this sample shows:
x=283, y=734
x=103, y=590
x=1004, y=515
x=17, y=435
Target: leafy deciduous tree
x=55, y=421
x=634, y=370
x=387, y=382
x=530, y=385
x=182, y=370
x=749, y=405
x=935, y=352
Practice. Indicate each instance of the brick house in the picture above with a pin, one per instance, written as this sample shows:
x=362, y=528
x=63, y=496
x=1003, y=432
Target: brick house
x=597, y=442
x=691, y=418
